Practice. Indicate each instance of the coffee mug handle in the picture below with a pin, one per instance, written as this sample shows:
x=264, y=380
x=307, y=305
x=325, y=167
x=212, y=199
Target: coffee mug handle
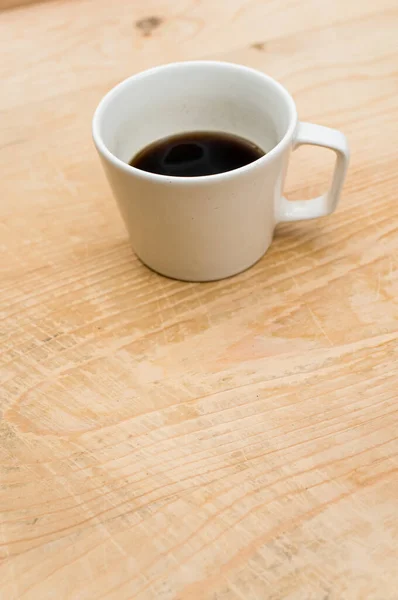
x=317, y=135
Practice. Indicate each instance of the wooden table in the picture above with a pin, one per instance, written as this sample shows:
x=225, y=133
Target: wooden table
x=171, y=441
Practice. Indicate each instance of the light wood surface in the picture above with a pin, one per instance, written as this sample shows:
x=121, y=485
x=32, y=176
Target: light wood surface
x=172, y=441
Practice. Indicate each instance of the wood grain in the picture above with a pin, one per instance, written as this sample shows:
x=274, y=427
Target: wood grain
x=225, y=441
x=10, y=4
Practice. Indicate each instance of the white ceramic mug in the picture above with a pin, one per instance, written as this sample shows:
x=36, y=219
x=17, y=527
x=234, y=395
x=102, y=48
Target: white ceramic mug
x=211, y=227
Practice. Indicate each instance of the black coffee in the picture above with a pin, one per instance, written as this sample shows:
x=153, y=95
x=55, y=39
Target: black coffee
x=196, y=154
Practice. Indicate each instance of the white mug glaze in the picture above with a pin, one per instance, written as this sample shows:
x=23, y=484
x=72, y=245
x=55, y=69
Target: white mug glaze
x=211, y=227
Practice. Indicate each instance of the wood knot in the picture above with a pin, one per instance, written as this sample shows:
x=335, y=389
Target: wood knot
x=260, y=46
x=148, y=25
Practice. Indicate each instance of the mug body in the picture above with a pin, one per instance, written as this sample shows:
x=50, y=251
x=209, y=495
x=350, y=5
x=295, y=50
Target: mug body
x=197, y=228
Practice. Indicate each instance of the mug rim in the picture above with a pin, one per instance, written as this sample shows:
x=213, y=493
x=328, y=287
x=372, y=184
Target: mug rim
x=146, y=175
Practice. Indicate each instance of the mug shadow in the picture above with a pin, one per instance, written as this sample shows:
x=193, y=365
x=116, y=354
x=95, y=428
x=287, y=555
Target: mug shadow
x=301, y=234
x=291, y=242
x=291, y=239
